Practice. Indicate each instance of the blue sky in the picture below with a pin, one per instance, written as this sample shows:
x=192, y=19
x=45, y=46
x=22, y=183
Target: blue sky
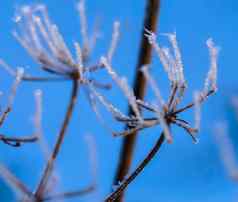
x=182, y=171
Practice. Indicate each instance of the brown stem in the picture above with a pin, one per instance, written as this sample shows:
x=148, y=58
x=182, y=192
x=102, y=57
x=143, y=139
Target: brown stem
x=172, y=96
x=17, y=141
x=192, y=103
x=39, y=194
x=4, y=115
x=45, y=79
x=150, y=22
x=117, y=193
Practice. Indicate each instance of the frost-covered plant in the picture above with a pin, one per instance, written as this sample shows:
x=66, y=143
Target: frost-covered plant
x=45, y=44
x=43, y=41
x=166, y=113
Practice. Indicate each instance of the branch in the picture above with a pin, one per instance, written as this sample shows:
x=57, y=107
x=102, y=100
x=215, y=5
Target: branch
x=202, y=99
x=50, y=164
x=44, y=79
x=119, y=191
x=150, y=21
x=17, y=141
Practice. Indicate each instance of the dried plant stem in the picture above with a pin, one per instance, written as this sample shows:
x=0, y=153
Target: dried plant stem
x=4, y=116
x=46, y=79
x=39, y=194
x=116, y=194
x=192, y=104
x=71, y=194
x=172, y=96
x=150, y=21
x=17, y=141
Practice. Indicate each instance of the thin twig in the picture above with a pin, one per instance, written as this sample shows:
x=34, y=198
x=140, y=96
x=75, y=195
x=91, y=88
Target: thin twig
x=117, y=193
x=172, y=96
x=4, y=115
x=17, y=141
x=150, y=22
x=50, y=164
x=46, y=79
x=146, y=106
x=192, y=103
x=28, y=77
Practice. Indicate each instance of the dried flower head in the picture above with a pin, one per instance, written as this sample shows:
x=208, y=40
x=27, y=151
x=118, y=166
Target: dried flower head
x=43, y=41
x=167, y=112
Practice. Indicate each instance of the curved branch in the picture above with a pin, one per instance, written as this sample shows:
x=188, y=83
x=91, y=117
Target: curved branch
x=117, y=193
x=17, y=141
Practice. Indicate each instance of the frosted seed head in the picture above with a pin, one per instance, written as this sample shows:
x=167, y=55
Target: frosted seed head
x=43, y=41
